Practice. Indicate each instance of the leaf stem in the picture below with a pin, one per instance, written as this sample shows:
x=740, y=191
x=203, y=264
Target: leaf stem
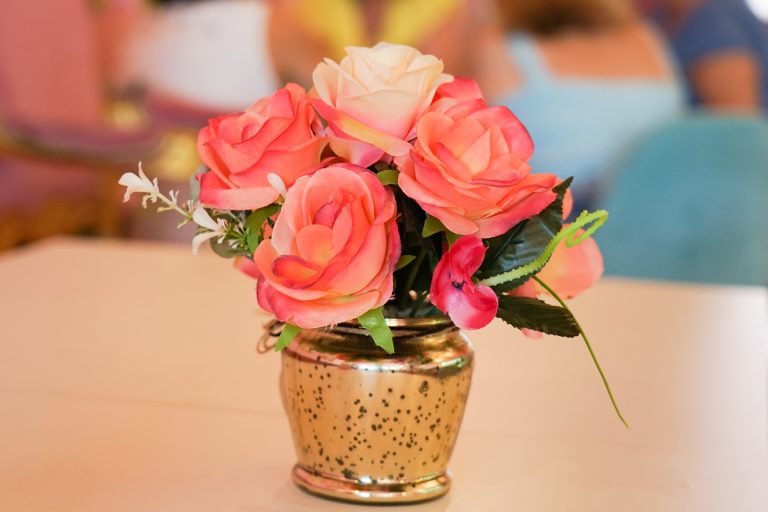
x=589, y=348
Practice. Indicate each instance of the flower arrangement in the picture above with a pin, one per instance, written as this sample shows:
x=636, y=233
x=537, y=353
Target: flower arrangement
x=391, y=189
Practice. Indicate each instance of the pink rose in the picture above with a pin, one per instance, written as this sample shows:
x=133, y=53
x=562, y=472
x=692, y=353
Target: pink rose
x=333, y=249
x=460, y=90
x=373, y=98
x=470, y=305
x=274, y=135
x=469, y=169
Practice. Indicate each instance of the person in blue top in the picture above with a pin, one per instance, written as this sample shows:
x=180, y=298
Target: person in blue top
x=723, y=49
x=588, y=78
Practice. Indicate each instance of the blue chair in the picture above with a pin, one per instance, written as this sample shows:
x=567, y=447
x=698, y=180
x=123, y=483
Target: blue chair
x=690, y=203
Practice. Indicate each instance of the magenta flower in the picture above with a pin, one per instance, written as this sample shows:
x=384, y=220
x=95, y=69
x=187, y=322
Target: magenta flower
x=469, y=305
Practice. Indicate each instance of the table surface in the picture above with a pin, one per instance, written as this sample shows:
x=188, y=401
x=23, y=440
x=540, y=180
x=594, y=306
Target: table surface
x=130, y=381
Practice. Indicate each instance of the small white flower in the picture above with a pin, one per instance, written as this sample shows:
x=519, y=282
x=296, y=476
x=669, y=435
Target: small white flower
x=140, y=184
x=216, y=228
x=277, y=183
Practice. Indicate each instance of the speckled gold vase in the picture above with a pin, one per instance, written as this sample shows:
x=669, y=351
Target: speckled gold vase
x=370, y=427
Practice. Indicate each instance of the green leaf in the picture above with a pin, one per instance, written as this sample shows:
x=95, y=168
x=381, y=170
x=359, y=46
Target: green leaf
x=404, y=260
x=527, y=313
x=288, y=334
x=388, y=176
x=524, y=242
x=254, y=223
x=432, y=226
x=376, y=325
x=224, y=250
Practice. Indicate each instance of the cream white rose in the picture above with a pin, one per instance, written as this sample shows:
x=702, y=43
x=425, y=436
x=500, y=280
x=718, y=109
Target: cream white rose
x=373, y=98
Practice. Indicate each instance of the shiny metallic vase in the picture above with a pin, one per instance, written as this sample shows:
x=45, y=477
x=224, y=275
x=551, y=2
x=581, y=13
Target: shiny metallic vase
x=371, y=427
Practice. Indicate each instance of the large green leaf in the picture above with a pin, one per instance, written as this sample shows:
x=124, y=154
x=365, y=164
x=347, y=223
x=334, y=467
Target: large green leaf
x=377, y=327
x=524, y=242
x=527, y=313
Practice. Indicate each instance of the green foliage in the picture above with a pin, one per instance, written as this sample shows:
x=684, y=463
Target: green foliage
x=587, y=222
x=432, y=226
x=288, y=334
x=377, y=327
x=388, y=176
x=404, y=260
x=527, y=313
x=525, y=242
x=224, y=250
x=254, y=223
x=417, y=275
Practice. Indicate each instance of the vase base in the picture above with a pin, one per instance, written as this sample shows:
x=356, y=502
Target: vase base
x=363, y=492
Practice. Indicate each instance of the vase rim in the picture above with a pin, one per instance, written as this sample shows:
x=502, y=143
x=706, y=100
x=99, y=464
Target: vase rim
x=426, y=321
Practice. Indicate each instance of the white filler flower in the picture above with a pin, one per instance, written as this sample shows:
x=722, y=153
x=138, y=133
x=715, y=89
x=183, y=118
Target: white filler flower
x=217, y=228
x=139, y=184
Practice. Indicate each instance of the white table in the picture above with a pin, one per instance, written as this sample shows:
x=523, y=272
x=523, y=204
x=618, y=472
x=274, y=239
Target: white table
x=129, y=381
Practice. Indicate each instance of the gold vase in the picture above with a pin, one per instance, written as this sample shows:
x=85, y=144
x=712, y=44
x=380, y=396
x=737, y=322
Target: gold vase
x=371, y=427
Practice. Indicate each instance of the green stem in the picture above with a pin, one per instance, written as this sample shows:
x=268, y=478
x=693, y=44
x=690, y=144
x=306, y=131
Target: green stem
x=590, y=222
x=589, y=347
x=171, y=205
x=412, y=277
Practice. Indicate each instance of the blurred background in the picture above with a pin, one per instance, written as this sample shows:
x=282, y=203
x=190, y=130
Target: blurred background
x=656, y=107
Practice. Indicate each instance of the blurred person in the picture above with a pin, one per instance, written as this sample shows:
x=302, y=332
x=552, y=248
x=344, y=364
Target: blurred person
x=303, y=32
x=586, y=77
x=723, y=50
x=212, y=55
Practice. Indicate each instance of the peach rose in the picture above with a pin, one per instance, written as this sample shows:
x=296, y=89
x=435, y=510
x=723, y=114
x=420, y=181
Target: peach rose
x=373, y=98
x=274, y=135
x=333, y=249
x=469, y=169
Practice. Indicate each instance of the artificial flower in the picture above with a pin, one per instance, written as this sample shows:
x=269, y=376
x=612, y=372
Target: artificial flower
x=373, y=98
x=276, y=135
x=469, y=169
x=332, y=251
x=216, y=228
x=139, y=184
x=470, y=305
x=459, y=90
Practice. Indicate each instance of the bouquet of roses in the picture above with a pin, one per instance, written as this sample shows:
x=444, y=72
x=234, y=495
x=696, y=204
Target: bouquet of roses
x=391, y=189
